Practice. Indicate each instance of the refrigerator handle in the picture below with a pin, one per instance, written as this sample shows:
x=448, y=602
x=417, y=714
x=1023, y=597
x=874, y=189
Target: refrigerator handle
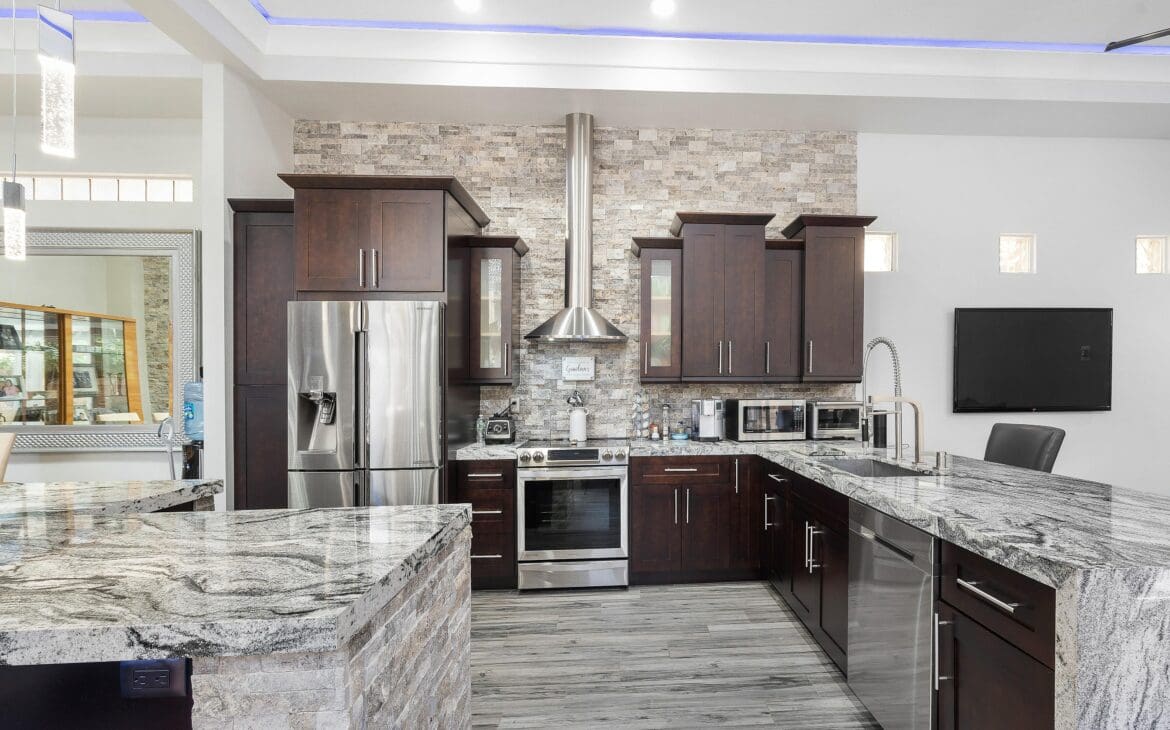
x=361, y=408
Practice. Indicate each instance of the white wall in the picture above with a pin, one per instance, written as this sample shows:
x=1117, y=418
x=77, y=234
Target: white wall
x=155, y=146
x=948, y=199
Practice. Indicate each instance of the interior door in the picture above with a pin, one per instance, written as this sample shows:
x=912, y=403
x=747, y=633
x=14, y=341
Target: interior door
x=703, y=301
x=403, y=376
x=743, y=297
x=391, y=487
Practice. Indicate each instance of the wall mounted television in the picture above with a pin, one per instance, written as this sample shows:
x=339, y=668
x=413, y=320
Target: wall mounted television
x=1016, y=360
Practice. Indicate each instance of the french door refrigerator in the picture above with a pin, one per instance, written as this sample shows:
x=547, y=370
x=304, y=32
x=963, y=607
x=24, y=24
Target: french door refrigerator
x=365, y=420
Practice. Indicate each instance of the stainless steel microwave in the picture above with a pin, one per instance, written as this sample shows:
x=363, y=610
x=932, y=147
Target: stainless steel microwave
x=834, y=419
x=763, y=420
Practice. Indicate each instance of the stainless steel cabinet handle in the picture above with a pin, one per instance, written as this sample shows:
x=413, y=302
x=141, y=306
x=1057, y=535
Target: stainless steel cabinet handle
x=679, y=468
x=938, y=676
x=777, y=478
x=807, y=545
x=506, y=361
x=767, y=358
x=737, y=476
x=810, y=356
x=720, y=357
x=812, y=563
x=767, y=499
x=729, y=357
x=688, y=506
x=972, y=587
x=487, y=512
x=645, y=358
x=361, y=268
x=487, y=557
x=676, y=506
x=375, y=274
x=484, y=476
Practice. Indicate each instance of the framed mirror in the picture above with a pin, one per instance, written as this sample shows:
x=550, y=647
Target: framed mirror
x=99, y=333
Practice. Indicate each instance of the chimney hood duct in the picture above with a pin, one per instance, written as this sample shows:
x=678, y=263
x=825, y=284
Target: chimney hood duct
x=578, y=321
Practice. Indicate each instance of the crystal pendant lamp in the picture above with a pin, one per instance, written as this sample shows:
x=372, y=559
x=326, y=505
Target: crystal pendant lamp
x=55, y=43
x=14, y=223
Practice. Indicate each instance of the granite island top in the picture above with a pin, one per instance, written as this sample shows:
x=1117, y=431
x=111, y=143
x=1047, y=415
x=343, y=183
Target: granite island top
x=102, y=498
x=93, y=588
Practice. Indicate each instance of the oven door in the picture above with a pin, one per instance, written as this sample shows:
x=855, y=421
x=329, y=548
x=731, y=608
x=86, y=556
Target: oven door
x=770, y=421
x=572, y=513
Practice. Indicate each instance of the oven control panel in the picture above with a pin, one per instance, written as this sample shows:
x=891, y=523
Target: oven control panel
x=572, y=455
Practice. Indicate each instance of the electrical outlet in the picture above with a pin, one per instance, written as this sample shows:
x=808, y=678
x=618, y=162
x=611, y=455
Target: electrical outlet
x=154, y=678
x=515, y=403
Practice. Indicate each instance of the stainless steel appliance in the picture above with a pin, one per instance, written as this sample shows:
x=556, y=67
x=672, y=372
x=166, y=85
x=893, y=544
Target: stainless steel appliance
x=892, y=633
x=572, y=521
x=707, y=419
x=501, y=428
x=764, y=420
x=366, y=410
x=835, y=419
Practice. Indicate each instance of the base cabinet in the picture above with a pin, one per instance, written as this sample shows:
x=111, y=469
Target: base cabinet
x=985, y=682
x=655, y=537
x=490, y=487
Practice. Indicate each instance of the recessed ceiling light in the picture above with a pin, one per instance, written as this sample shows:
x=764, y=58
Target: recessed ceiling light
x=468, y=6
x=662, y=8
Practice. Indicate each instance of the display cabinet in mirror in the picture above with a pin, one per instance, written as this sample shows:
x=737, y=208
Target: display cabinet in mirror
x=97, y=338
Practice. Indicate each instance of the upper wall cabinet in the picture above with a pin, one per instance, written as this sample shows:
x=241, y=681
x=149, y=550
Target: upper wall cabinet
x=381, y=235
x=723, y=291
x=834, y=294
x=494, y=300
x=783, y=306
x=661, y=297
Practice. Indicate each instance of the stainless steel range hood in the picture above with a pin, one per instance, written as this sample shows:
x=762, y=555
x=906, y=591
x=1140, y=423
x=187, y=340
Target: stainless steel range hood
x=578, y=321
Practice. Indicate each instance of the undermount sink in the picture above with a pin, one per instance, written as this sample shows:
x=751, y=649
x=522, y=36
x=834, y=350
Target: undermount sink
x=871, y=468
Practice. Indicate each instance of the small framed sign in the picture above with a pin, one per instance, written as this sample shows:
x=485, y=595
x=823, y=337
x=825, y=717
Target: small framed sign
x=577, y=368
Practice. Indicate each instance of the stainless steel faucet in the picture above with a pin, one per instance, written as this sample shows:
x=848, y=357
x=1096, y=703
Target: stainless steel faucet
x=867, y=416
x=919, y=435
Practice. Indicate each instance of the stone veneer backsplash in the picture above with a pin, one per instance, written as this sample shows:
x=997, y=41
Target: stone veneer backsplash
x=641, y=177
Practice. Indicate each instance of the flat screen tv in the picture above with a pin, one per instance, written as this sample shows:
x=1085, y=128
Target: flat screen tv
x=1033, y=360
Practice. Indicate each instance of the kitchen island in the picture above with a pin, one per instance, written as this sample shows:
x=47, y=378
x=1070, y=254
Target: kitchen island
x=108, y=497
x=310, y=618
x=1102, y=550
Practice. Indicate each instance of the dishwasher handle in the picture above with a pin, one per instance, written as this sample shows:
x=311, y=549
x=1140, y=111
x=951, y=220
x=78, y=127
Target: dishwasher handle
x=868, y=534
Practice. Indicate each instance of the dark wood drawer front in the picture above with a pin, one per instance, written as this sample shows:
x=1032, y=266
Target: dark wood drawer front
x=682, y=470
x=826, y=504
x=492, y=475
x=1019, y=609
x=492, y=508
x=493, y=559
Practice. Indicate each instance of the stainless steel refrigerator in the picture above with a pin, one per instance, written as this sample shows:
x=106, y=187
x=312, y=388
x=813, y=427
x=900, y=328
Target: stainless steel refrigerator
x=366, y=410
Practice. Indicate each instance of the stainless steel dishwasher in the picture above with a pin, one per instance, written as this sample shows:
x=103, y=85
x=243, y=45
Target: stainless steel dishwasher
x=892, y=569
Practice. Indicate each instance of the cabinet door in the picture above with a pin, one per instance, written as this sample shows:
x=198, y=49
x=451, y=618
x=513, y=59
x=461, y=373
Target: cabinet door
x=783, y=301
x=264, y=284
x=834, y=303
x=745, y=516
x=332, y=234
x=988, y=683
x=831, y=556
x=706, y=527
x=491, y=314
x=406, y=233
x=743, y=302
x=662, y=285
x=703, y=301
x=805, y=583
x=772, y=535
x=655, y=529
x=261, y=447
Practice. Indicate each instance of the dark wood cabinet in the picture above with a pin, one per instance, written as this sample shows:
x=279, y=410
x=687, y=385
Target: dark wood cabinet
x=773, y=524
x=723, y=292
x=784, y=303
x=264, y=281
x=655, y=536
x=986, y=682
x=831, y=558
x=834, y=294
x=661, y=307
x=378, y=235
x=706, y=528
x=490, y=487
x=745, y=515
x=494, y=299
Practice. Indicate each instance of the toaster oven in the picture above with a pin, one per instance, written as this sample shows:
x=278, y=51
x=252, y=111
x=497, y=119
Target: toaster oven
x=834, y=420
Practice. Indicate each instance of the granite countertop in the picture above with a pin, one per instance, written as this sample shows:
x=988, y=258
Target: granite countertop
x=101, y=498
x=89, y=588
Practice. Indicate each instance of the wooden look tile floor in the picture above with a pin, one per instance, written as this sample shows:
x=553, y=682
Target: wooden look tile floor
x=709, y=655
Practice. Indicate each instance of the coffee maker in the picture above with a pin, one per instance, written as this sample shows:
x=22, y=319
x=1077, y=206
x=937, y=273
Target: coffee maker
x=707, y=419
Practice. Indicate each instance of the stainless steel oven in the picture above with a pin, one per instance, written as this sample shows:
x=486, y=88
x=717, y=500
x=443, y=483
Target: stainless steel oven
x=834, y=420
x=764, y=420
x=572, y=521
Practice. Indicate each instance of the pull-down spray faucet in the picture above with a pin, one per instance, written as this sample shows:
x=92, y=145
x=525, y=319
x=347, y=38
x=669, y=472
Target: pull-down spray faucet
x=867, y=408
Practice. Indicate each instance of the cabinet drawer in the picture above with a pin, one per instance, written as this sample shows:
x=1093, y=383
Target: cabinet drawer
x=682, y=470
x=492, y=507
x=1019, y=609
x=825, y=503
x=476, y=475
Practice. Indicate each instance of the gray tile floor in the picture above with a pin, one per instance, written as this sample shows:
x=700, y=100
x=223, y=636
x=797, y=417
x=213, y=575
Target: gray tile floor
x=710, y=655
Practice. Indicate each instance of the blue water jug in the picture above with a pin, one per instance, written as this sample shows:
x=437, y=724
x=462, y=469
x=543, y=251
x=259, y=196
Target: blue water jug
x=193, y=410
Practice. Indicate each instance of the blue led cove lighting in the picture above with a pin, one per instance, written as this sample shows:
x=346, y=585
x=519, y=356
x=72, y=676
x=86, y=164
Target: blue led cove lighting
x=100, y=16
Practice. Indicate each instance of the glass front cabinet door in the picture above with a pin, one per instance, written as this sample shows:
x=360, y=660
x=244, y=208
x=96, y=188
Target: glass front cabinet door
x=661, y=293
x=494, y=290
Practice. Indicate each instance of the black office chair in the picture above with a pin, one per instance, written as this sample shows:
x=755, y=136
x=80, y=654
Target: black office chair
x=1019, y=444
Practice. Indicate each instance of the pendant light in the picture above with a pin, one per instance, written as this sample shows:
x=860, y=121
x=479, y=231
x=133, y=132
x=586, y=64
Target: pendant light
x=55, y=44
x=14, y=223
